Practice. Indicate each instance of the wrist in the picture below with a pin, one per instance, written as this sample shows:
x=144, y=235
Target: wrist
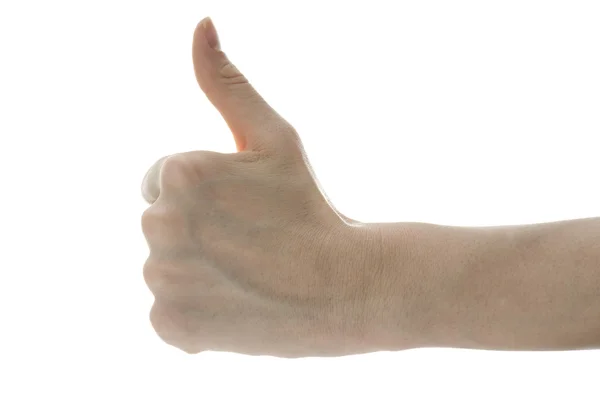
x=405, y=302
x=399, y=286
x=415, y=283
x=389, y=291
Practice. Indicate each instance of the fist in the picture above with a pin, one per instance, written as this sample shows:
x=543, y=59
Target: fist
x=247, y=254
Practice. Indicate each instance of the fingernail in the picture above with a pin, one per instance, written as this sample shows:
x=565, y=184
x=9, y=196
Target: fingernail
x=210, y=32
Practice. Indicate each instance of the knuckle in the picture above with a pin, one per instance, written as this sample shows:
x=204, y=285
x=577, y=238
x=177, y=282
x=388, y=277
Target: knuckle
x=162, y=278
x=153, y=278
x=171, y=280
x=193, y=167
x=172, y=325
x=164, y=224
x=176, y=162
x=177, y=169
x=231, y=75
x=207, y=163
x=159, y=319
x=153, y=219
x=150, y=220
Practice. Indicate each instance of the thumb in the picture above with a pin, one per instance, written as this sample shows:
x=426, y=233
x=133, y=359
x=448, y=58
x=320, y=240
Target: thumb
x=254, y=124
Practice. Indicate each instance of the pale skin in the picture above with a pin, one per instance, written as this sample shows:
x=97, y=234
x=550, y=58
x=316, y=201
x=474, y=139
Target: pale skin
x=248, y=255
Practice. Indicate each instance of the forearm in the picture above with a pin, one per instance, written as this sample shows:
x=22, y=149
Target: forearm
x=526, y=287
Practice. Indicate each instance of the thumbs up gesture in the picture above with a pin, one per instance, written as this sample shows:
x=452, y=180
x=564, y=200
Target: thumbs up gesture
x=246, y=253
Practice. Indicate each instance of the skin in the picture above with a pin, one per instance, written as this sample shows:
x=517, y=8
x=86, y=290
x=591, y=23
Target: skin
x=248, y=255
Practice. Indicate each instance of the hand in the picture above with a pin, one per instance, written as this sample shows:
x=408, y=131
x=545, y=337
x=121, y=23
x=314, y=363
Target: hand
x=246, y=253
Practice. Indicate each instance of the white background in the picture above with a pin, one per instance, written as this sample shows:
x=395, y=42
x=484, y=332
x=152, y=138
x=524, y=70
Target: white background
x=450, y=112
